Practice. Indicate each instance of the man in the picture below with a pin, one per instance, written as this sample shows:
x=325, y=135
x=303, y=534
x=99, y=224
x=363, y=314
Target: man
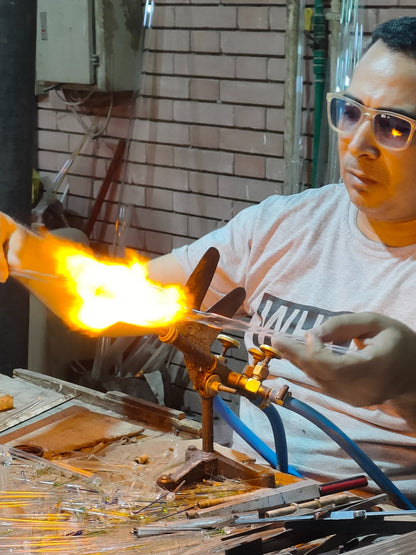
x=317, y=260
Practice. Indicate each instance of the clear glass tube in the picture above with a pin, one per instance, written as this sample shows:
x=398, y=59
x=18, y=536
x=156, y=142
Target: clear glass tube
x=225, y=323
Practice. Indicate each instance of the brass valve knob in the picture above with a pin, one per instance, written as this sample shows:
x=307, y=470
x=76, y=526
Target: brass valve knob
x=270, y=352
x=261, y=370
x=227, y=342
x=257, y=354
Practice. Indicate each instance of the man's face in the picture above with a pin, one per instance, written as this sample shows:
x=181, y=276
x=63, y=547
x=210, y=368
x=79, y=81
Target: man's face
x=379, y=181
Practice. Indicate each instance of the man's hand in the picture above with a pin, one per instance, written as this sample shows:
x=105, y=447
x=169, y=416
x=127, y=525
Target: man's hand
x=384, y=371
x=7, y=227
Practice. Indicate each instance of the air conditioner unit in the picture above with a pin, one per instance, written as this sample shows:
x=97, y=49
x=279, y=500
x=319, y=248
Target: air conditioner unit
x=88, y=44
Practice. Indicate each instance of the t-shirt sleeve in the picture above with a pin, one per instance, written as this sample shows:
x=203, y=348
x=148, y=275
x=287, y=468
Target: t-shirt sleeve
x=233, y=242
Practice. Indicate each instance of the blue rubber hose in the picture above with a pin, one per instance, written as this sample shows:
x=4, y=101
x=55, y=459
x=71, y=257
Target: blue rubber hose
x=279, y=436
x=351, y=448
x=250, y=437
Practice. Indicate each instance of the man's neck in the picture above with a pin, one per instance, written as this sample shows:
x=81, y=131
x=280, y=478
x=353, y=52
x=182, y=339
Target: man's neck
x=393, y=234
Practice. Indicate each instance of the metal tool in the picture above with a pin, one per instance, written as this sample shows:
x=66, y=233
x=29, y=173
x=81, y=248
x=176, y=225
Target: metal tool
x=208, y=375
x=266, y=499
x=183, y=526
x=263, y=499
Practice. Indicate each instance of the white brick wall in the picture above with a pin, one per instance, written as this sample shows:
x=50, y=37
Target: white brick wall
x=206, y=130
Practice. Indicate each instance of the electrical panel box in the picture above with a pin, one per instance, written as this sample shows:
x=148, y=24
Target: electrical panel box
x=88, y=44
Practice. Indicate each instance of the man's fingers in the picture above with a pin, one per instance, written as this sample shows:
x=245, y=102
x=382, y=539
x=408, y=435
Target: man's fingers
x=345, y=327
x=7, y=229
x=310, y=355
x=288, y=346
x=319, y=361
x=7, y=226
x=4, y=269
x=314, y=342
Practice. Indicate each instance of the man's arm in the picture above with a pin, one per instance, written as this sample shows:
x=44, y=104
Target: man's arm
x=384, y=372
x=166, y=270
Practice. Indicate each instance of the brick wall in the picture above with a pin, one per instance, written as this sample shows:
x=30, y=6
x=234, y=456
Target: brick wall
x=206, y=132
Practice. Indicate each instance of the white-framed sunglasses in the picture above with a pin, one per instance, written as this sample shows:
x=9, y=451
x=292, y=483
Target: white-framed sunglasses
x=391, y=130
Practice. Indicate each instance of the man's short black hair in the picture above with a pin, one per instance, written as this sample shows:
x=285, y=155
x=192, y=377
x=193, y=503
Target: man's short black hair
x=399, y=35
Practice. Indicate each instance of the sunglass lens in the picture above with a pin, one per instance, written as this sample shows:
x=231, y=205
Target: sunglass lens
x=391, y=131
x=344, y=115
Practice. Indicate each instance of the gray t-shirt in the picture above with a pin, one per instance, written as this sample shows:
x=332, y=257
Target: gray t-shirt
x=301, y=259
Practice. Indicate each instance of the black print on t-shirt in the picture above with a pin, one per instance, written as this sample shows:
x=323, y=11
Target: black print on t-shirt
x=288, y=317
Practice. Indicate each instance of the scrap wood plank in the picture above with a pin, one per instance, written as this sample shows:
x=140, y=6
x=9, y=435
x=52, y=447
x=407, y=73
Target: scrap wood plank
x=71, y=429
x=159, y=417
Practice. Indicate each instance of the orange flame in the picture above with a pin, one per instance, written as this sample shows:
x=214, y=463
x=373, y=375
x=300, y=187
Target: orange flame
x=93, y=295
x=110, y=292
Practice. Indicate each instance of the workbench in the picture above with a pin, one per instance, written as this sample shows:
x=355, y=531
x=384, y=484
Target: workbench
x=100, y=474
x=79, y=471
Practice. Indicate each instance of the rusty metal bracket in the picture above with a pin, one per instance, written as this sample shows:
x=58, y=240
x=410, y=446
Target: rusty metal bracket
x=194, y=340
x=200, y=465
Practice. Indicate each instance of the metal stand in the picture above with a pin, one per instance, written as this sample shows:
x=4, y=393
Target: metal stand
x=194, y=341
x=207, y=464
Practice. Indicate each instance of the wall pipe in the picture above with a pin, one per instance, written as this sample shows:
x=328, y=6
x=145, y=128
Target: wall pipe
x=17, y=124
x=319, y=67
x=346, y=26
x=293, y=97
x=334, y=49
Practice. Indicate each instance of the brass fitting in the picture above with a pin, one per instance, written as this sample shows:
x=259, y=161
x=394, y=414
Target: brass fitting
x=251, y=386
x=280, y=397
x=169, y=334
x=261, y=370
x=213, y=385
x=258, y=356
x=227, y=342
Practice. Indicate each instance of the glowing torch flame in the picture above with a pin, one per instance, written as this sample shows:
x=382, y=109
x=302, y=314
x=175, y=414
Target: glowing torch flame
x=92, y=294
x=110, y=292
